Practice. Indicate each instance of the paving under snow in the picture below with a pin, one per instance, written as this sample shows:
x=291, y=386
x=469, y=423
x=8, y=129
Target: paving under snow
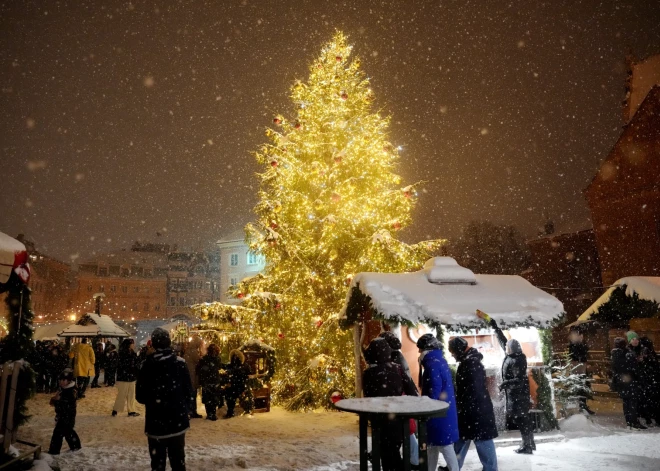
x=280, y=440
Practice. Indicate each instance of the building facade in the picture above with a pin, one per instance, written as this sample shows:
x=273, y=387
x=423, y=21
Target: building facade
x=236, y=263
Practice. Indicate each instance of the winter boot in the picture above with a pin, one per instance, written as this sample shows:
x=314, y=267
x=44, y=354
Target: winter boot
x=638, y=426
x=525, y=450
x=114, y=413
x=133, y=414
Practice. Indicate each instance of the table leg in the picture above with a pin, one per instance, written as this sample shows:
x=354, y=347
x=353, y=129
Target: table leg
x=364, y=449
x=375, y=445
x=406, y=445
x=423, y=461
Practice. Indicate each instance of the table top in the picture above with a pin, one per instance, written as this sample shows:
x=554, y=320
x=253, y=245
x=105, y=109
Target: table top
x=403, y=406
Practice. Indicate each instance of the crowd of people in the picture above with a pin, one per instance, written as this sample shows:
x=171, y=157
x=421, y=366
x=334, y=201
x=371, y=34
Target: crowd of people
x=636, y=378
x=164, y=380
x=470, y=416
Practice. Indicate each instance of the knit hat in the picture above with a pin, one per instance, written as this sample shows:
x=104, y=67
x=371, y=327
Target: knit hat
x=392, y=340
x=378, y=351
x=631, y=335
x=457, y=345
x=160, y=338
x=428, y=342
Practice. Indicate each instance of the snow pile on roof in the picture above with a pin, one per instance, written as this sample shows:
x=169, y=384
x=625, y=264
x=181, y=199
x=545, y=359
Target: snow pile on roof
x=646, y=287
x=91, y=325
x=511, y=300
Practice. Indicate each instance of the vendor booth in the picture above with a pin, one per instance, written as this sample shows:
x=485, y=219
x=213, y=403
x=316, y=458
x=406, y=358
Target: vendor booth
x=94, y=325
x=443, y=298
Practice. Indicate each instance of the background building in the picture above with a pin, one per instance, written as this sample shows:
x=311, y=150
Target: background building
x=236, y=263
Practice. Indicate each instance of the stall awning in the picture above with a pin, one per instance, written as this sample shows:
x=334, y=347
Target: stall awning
x=646, y=287
x=510, y=300
x=92, y=325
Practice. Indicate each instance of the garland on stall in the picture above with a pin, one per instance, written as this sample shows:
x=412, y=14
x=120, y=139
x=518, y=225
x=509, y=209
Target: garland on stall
x=621, y=308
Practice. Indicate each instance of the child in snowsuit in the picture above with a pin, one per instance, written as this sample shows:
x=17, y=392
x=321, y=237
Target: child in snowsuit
x=65, y=414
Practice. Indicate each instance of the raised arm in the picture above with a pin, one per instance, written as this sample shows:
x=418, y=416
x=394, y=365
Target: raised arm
x=501, y=338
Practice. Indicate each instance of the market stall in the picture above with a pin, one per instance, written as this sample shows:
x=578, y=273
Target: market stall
x=94, y=325
x=443, y=298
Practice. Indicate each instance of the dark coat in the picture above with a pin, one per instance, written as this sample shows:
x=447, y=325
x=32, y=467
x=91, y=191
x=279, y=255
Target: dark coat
x=164, y=387
x=65, y=407
x=476, y=419
x=382, y=377
x=57, y=362
x=578, y=352
x=208, y=372
x=515, y=382
x=111, y=361
x=624, y=371
x=437, y=384
x=237, y=375
x=127, y=368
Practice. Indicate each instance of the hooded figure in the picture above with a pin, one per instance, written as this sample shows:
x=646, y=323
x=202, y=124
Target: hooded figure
x=625, y=372
x=437, y=384
x=397, y=357
x=238, y=373
x=476, y=419
x=381, y=379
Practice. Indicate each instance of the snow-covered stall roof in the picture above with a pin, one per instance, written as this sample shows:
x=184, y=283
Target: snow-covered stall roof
x=49, y=331
x=10, y=249
x=646, y=287
x=411, y=297
x=91, y=325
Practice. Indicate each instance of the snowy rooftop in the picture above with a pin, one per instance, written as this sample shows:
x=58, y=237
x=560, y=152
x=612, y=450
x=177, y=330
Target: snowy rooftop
x=508, y=299
x=646, y=287
x=96, y=324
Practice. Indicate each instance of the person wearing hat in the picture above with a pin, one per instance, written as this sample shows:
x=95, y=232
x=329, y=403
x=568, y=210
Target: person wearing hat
x=476, y=419
x=381, y=379
x=436, y=382
x=625, y=381
x=65, y=414
x=395, y=344
x=164, y=387
x=515, y=384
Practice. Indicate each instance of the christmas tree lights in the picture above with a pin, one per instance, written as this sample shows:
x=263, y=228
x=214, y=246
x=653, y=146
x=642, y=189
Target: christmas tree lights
x=329, y=205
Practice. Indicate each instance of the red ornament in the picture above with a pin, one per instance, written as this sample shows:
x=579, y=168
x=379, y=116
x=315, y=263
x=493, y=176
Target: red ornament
x=240, y=295
x=273, y=163
x=273, y=225
x=278, y=306
x=396, y=225
x=277, y=120
x=338, y=58
x=297, y=125
x=338, y=159
x=319, y=323
x=406, y=194
x=336, y=396
x=280, y=335
x=344, y=96
x=336, y=197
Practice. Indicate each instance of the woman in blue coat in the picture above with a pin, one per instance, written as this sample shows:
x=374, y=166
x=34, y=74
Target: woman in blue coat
x=436, y=383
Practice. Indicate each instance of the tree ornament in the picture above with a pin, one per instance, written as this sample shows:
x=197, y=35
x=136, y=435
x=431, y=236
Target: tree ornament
x=318, y=323
x=273, y=225
x=407, y=194
x=344, y=96
x=336, y=197
x=338, y=58
x=396, y=226
x=273, y=163
x=338, y=159
x=277, y=120
x=278, y=306
x=280, y=335
x=240, y=295
x=297, y=125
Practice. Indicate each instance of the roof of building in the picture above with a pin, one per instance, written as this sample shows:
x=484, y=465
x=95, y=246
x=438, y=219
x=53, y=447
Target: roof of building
x=235, y=236
x=510, y=300
x=92, y=325
x=646, y=287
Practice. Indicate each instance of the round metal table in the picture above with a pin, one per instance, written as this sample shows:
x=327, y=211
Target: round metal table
x=376, y=409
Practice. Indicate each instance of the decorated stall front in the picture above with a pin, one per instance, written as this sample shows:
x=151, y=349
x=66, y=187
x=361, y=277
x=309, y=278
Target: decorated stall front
x=443, y=299
x=94, y=325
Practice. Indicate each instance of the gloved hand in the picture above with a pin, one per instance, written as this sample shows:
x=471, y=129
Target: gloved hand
x=483, y=315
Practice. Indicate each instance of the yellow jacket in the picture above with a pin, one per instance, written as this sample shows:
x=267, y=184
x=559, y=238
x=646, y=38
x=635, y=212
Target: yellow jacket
x=83, y=359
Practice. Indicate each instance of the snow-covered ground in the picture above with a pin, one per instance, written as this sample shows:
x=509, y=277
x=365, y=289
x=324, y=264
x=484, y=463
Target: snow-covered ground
x=280, y=440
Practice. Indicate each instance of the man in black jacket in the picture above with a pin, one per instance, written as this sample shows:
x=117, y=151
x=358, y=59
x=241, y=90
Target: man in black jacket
x=476, y=419
x=625, y=381
x=164, y=387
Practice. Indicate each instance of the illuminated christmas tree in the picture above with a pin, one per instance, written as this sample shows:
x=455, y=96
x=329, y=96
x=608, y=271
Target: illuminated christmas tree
x=330, y=202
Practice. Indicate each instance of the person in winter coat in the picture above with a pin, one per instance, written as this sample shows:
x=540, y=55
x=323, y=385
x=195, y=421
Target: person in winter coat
x=650, y=384
x=625, y=381
x=382, y=378
x=65, y=415
x=476, y=419
x=515, y=384
x=208, y=372
x=192, y=355
x=83, y=365
x=395, y=344
x=98, y=364
x=437, y=384
x=126, y=377
x=57, y=362
x=164, y=387
x=145, y=351
x=237, y=376
x=111, y=364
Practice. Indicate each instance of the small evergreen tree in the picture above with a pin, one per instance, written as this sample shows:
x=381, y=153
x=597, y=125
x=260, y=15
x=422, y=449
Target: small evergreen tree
x=570, y=387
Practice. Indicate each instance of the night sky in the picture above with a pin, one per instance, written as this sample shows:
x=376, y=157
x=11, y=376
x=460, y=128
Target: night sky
x=119, y=120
